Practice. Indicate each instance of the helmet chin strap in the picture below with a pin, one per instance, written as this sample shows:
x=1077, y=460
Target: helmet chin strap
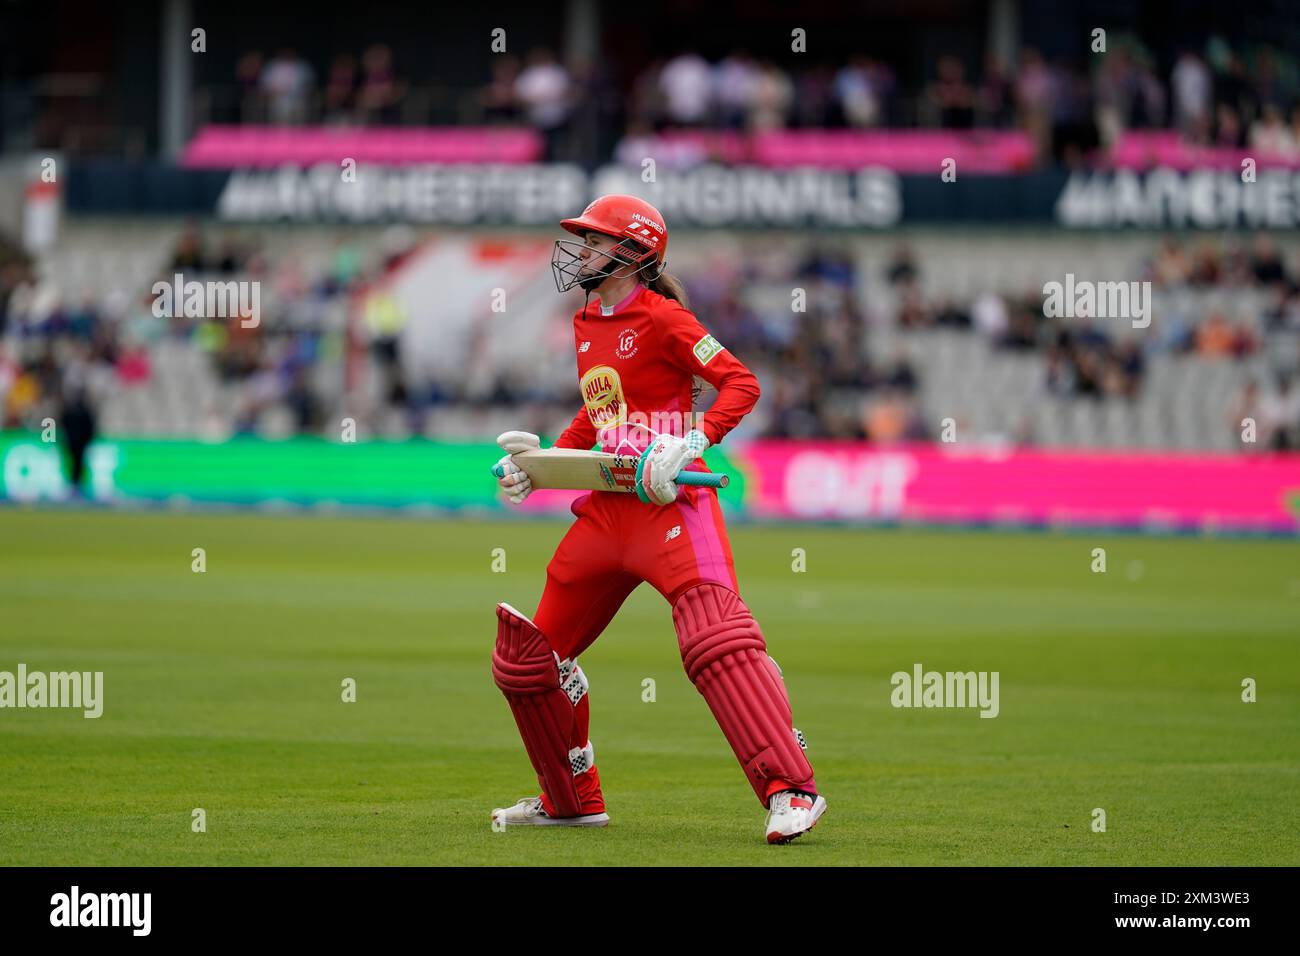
x=589, y=283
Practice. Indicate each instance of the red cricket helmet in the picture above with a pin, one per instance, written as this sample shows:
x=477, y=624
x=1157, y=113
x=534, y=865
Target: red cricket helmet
x=639, y=226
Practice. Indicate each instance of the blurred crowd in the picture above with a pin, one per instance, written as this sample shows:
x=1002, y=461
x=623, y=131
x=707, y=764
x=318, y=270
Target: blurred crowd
x=1271, y=410
x=285, y=89
x=56, y=349
x=821, y=377
x=1083, y=359
x=1213, y=95
x=826, y=384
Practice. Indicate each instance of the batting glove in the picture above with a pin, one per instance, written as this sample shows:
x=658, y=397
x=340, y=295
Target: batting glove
x=515, y=481
x=668, y=456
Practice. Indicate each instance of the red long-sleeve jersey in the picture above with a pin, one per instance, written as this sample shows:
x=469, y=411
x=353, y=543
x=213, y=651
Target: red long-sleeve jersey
x=636, y=368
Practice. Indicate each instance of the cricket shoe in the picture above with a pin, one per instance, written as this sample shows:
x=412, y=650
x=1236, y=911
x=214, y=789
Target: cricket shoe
x=530, y=812
x=791, y=813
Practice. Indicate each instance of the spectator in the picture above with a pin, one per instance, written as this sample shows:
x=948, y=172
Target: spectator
x=1022, y=321
x=892, y=418
x=1060, y=377
x=1267, y=262
x=793, y=414
x=1216, y=337
x=188, y=254
x=1282, y=314
x=286, y=84
x=231, y=258
x=912, y=313
x=1034, y=91
x=994, y=99
x=1205, y=268
x=950, y=314
x=598, y=110
x=648, y=108
x=813, y=97
x=856, y=95
x=543, y=89
x=82, y=320
x=1270, y=87
x=989, y=315
x=687, y=84
x=902, y=268
x=1270, y=136
x=1171, y=268
x=1127, y=91
x=1150, y=103
x=1192, y=93
x=1089, y=370
x=341, y=90
x=1228, y=131
x=736, y=88
x=1279, y=416
x=302, y=400
x=9, y=372
x=498, y=98
x=1295, y=131
x=772, y=98
x=133, y=365
x=381, y=92
x=1234, y=88
x=951, y=96
x=1129, y=367
x=248, y=85
x=79, y=424
x=1074, y=132
x=24, y=396
x=900, y=375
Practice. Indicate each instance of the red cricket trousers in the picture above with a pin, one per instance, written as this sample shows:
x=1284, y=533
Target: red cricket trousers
x=617, y=542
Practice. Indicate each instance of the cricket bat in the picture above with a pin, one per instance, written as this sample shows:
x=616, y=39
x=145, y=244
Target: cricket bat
x=594, y=470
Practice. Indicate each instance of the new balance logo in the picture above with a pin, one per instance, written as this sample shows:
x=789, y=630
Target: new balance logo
x=584, y=346
x=673, y=532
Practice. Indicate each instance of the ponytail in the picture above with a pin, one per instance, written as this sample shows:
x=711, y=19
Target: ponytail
x=670, y=287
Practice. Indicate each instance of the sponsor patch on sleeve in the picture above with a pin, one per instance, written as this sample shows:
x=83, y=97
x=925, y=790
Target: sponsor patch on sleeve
x=706, y=348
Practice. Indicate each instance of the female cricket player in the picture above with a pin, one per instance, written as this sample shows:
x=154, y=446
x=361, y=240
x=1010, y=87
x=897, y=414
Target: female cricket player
x=639, y=350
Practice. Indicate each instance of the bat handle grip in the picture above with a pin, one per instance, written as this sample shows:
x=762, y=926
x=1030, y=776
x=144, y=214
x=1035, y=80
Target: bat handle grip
x=498, y=471
x=707, y=479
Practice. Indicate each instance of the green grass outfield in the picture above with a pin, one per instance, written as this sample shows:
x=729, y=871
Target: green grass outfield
x=222, y=691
